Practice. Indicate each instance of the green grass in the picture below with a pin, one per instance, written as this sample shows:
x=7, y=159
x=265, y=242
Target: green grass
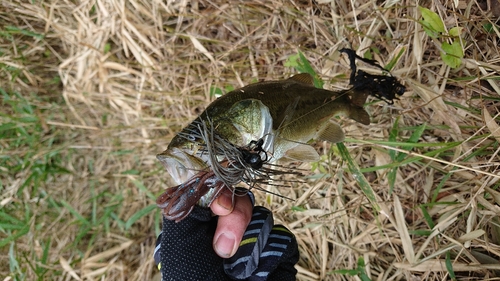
x=34, y=157
x=82, y=114
x=401, y=140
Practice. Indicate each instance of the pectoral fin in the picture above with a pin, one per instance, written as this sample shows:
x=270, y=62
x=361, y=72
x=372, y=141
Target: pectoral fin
x=331, y=133
x=303, y=153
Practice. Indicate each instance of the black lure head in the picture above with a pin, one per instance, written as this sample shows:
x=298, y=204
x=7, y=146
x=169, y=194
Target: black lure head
x=252, y=154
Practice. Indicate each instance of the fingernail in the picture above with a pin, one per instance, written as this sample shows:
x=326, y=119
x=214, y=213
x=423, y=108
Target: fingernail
x=224, y=245
x=225, y=200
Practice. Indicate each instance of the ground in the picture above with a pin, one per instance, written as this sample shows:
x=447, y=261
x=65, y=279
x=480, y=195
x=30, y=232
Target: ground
x=92, y=91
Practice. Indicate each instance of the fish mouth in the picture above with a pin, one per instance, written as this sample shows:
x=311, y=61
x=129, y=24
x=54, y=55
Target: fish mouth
x=181, y=165
x=206, y=185
x=202, y=173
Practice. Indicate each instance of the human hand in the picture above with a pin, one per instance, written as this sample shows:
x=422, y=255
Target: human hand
x=234, y=216
x=186, y=253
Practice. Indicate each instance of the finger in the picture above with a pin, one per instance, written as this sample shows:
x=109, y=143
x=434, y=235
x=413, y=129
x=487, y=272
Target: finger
x=232, y=225
x=223, y=204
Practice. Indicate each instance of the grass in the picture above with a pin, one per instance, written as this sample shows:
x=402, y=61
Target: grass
x=91, y=92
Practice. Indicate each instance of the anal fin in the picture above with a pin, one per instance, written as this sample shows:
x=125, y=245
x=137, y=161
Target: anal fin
x=331, y=132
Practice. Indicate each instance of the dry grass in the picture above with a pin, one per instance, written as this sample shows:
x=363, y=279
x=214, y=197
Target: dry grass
x=104, y=85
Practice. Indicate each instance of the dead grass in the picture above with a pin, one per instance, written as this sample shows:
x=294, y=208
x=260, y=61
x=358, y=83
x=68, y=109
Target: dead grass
x=107, y=84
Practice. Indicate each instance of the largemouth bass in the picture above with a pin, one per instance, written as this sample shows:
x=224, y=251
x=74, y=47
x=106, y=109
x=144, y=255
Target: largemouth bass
x=240, y=132
x=285, y=114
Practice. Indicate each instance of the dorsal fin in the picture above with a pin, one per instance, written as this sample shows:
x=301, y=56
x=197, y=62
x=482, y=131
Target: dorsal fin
x=304, y=78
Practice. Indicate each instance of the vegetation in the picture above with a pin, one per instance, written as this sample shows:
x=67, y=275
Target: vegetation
x=92, y=91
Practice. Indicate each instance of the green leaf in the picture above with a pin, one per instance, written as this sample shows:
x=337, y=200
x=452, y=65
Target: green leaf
x=488, y=27
x=415, y=136
x=391, y=176
x=130, y=172
x=394, y=60
x=13, y=263
x=229, y=88
x=368, y=54
x=6, y=127
x=292, y=61
x=427, y=217
x=298, y=209
x=13, y=237
x=141, y=213
x=307, y=68
x=42, y=267
x=432, y=23
x=449, y=266
x=107, y=48
x=393, y=133
x=359, y=271
x=144, y=189
x=75, y=213
x=362, y=270
x=453, y=54
x=421, y=232
x=6, y=217
x=358, y=175
x=400, y=156
x=350, y=272
x=17, y=30
x=122, y=152
x=456, y=31
x=215, y=91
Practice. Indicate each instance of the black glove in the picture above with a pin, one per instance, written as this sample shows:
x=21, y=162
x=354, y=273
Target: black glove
x=184, y=250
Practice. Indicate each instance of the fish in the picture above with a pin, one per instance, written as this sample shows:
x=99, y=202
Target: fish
x=239, y=134
x=285, y=114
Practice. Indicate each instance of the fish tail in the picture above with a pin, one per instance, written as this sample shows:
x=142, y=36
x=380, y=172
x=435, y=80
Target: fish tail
x=358, y=97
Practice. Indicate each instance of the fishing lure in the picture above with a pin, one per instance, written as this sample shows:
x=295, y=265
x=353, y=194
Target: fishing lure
x=238, y=164
x=177, y=202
